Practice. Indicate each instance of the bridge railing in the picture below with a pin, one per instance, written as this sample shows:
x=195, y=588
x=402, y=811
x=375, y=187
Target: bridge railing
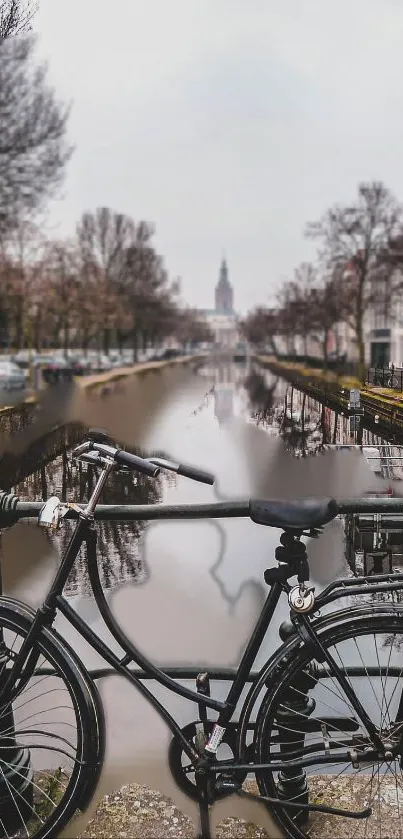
x=12, y=509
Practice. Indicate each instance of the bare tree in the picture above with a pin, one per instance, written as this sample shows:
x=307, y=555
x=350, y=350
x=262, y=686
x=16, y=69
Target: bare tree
x=190, y=329
x=104, y=239
x=261, y=326
x=295, y=315
x=297, y=295
x=16, y=17
x=33, y=147
x=61, y=289
x=327, y=307
x=145, y=287
x=133, y=297
x=356, y=237
x=104, y=236
x=21, y=268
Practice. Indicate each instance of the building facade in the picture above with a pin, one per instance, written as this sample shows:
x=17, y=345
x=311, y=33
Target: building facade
x=223, y=320
x=382, y=329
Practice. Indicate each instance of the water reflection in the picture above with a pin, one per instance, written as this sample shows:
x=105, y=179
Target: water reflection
x=262, y=397
x=307, y=425
x=222, y=420
x=304, y=424
x=118, y=544
x=224, y=393
x=229, y=392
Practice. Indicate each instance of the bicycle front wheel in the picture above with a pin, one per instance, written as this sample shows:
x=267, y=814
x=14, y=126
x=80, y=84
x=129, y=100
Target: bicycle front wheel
x=307, y=723
x=51, y=733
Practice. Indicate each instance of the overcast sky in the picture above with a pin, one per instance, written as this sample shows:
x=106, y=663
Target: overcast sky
x=228, y=123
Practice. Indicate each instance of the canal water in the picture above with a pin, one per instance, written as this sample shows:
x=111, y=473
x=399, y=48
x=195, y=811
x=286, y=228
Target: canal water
x=189, y=592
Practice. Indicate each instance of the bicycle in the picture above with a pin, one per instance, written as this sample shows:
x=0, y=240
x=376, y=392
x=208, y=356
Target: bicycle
x=304, y=709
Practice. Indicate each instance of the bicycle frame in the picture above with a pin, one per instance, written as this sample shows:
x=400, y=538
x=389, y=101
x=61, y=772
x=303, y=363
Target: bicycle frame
x=225, y=708
x=85, y=532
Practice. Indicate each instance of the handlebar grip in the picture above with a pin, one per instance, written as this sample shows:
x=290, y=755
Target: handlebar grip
x=196, y=474
x=137, y=463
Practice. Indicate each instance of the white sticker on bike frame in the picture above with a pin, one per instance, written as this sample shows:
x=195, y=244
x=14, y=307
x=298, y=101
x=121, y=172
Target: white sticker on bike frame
x=215, y=739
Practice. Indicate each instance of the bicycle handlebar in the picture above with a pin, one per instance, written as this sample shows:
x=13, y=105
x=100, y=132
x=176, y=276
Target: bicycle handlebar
x=137, y=463
x=122, y=458
x=187, y=471
x=196, y=474
x=150, y=467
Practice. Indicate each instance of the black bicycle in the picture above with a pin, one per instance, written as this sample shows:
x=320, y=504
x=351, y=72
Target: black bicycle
x=320, y=730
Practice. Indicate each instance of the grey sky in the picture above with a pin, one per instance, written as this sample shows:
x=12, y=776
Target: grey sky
x=228, y=123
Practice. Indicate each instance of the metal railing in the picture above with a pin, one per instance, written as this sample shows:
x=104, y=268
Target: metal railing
x=386, y=377
x=12, y=509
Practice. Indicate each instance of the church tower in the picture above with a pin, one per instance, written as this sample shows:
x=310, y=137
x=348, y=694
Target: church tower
x=224, y=295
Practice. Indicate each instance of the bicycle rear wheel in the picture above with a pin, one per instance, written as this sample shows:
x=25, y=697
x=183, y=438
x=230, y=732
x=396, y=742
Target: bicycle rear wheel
x=306, y=717
x=51, y=734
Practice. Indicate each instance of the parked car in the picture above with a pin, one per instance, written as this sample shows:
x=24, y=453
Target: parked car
x=104, y=363
x=54, y=369
x=80, y=366
x=116, y=360
x=11, y=376
x=157, y=355
x=170, y=353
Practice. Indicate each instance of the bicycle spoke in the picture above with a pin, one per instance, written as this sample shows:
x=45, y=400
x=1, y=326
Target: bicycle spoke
x=314, y=715
x=42, y=725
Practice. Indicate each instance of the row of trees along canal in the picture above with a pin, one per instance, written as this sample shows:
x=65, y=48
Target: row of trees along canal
x=105, y=286
x=358, y=268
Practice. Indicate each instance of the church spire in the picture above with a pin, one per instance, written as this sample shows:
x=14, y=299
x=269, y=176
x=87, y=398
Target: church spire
x=224, y=295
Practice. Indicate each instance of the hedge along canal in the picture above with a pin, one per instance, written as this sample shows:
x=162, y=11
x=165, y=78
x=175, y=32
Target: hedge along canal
x=383, y=408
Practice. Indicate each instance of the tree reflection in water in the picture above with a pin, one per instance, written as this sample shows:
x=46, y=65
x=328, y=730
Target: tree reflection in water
x=301, y=432
x=306, y=427
x=261, y=397
x=118, y=544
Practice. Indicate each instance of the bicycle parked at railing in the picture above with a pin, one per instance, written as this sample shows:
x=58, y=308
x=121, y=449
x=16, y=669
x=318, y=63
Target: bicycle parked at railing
x=321, y=728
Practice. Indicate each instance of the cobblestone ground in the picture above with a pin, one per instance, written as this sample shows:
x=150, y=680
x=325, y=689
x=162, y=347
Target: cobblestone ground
x=136, y=812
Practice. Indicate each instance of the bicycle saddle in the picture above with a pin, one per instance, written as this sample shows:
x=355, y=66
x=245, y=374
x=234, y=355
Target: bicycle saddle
x=294, y=515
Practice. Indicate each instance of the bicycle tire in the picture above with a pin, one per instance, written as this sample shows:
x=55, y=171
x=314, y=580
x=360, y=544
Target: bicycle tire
x=268, y=733
x=17, y=618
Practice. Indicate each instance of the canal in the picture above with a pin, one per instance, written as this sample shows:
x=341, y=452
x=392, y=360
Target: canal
x=189, y=592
